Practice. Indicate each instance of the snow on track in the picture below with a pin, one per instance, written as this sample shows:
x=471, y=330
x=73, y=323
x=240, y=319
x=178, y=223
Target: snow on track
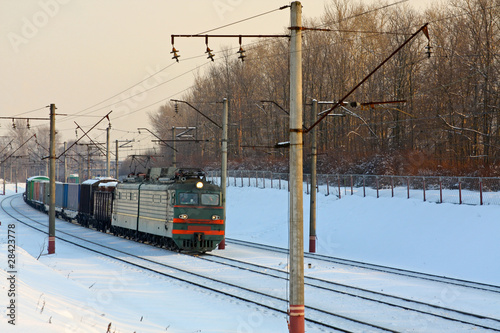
x=90, y=291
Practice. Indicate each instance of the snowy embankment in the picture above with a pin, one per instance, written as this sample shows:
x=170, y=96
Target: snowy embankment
x=444, y=239
x=78, y=291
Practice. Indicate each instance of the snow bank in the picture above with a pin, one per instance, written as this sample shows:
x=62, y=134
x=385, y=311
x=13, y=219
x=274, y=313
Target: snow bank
x=445, y=239
x=76, y=291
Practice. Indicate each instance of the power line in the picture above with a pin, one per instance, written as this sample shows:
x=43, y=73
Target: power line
x=107, y=99
x=203, y=32
x=243, y=20
x=197, y=67
x=166, y=67
x=318, y=27
x=20, y=114
x=363, y=13
x=157, y=102
x=121, y=92
x=142, y=92
x=466, y=13
x=195, y=57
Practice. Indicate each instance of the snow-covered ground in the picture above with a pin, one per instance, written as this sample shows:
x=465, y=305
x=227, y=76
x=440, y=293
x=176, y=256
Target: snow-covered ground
x=79, y=291
x=444, y=239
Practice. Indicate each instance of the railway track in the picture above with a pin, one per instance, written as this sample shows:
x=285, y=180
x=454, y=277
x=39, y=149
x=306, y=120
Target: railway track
x=317, y=313
x=373, y=267
x=278, y=304
x=334, y=288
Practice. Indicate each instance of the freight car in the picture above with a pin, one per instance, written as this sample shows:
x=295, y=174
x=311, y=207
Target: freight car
x=67, y=200
x=73, y=201
x=92, y=201
x=175, y=208
x=32, y=194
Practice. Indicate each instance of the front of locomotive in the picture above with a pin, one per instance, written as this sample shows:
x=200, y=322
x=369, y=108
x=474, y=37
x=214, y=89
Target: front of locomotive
x=198, y=216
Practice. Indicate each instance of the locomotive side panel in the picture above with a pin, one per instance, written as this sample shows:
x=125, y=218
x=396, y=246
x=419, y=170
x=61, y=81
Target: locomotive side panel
x=170, y=210
x=153, y=212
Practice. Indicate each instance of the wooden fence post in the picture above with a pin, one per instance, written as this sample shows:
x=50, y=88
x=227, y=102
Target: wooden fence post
x=423, y=182
x=480, y=191
x=440, y=190
x=352, y=192
x=338, y=183
x=392, y=186
x=460, y=191
x=364, y=187
x=408, y=186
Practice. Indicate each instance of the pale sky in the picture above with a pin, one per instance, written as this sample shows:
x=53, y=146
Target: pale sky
x=77, y=53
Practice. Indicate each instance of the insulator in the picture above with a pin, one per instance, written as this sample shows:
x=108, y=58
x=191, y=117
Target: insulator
x=242, y=55
x=176, y=55
x=210, y=54
x=428, y=52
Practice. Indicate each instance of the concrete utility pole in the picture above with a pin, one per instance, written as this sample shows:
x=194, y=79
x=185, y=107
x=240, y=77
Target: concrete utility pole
x=52, y=181
x=116, y=159
x=80, y=170
x=88, y=162
x=65, y=165
x=312, y=207
x=174, y=151
x=108, y=162
x=296, y=301
x=223, y=176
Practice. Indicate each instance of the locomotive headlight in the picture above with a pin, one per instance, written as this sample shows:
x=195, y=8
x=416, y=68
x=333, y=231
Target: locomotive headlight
x=183, y=216
x=215, y=217
x=199, y=185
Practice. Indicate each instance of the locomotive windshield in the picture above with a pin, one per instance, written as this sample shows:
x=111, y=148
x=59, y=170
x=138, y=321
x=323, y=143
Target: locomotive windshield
x=209, y=199
x=188, y=198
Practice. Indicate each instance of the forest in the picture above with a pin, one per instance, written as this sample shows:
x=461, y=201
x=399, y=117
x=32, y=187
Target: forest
x=432, y=109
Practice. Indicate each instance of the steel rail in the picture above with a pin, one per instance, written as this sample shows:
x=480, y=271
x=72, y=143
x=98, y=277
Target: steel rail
x=380, y=268
x=201, y=285
x=282, y=274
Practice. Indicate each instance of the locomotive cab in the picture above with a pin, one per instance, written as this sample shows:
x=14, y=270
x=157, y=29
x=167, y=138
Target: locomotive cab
x=197, y=223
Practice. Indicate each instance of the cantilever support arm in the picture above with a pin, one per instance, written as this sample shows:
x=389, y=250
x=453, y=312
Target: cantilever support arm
x=325, y=114
x=85, y=133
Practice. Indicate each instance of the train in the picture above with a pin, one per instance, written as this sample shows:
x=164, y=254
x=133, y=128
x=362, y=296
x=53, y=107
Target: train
x=175, y=208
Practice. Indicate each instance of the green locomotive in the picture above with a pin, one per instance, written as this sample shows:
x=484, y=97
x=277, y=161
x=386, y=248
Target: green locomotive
x=176, y=208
